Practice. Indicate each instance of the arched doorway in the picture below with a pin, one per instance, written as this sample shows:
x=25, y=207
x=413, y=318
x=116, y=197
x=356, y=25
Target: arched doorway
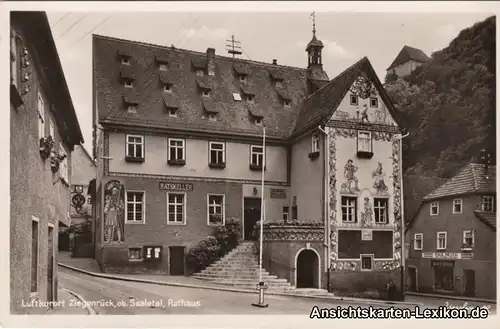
x=307, y=269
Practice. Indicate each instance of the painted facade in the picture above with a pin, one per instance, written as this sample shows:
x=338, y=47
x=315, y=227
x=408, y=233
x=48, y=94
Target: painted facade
x=83, y=170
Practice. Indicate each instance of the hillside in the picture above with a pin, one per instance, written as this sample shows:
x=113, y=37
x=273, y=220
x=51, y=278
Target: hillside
x=449, y=104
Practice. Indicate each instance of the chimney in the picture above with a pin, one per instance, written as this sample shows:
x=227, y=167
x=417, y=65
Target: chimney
x=211, y=61
x=275, y=62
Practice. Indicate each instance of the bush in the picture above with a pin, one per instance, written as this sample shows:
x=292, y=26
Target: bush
x=214, y=247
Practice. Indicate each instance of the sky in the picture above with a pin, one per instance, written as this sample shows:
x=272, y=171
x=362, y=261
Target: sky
x=263, y=37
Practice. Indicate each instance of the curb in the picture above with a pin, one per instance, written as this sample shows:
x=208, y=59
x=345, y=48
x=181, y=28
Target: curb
x=183, y=285
x=89, y=308
x=462, y=298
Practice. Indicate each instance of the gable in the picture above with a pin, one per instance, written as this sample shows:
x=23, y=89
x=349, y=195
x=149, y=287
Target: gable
x=363, y=97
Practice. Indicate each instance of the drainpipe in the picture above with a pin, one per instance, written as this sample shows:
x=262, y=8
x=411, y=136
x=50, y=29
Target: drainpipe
x=403, y=258
x=325, y=207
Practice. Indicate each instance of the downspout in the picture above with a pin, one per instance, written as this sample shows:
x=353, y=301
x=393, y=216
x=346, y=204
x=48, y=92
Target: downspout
x=403, y=254
x=326, y=203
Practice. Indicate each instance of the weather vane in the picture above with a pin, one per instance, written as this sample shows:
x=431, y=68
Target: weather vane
x=313, y=16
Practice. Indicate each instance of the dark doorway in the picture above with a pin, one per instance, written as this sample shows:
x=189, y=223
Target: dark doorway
x=251, y=208
x=412, y=279
x=307, y=269
x=50, y=265
x=470, y=283
x=176, y=256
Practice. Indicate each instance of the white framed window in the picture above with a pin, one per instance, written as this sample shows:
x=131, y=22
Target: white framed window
x=128, y=83
x=125, y=60
x=212, y=117
x=135, y=254
x=349, y=209
x=468, y=239
x=217, y=152
x=41, y=115
x=315, y=143
x=176, y=208
x=206, y=93
x=434, y=208
x=258, y=121
x=457, y=206
x=366, y=262
x=35, y=250
x=167, y=88
x=364, y=141
x=176, y=149
x=14, y=60
x=374, y=102
x=250, y=98
x=135, y=146
x=278, y=84
x=256, y=156
x=380, y=209
x=488, y=203
x=285, y=212
x=287, y=103
x=51, y=129
x=418, y=241
x=200, y=73
x=354, y=100
x=172, y=113
x=162, y=66
x=441, y=240
x=243, y=78
x=63, y=168
x=216, y=209
x=135, y=211
x=132, y=108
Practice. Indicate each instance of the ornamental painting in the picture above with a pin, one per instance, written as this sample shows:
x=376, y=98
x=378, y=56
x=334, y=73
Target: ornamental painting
x=378, y=176
x=114, y=212
x=351, y=184
x=367, y=213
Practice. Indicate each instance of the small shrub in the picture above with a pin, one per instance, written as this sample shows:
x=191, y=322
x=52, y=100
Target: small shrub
x=214, y=247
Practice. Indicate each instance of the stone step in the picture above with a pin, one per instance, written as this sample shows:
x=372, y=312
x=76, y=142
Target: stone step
x=236, y=276
x=223, y=270
x=253, y=286
x=235, y=266
x=251, y=281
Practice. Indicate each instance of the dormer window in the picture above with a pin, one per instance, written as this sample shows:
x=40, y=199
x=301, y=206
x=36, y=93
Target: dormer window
x=258, y=121
x=199, y=73
x=125, y=60
x=278, y=84
x=127, y=83
x=162, y=66
x=250, y=98
x=132, y=108
x=354, y=100
x=206, y=93
x=288, y=103
x=167, y=88
x=243, y=78
x=172, y=113
x=212, y=117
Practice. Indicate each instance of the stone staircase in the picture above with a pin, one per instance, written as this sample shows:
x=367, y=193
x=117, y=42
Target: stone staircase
x=240, y=269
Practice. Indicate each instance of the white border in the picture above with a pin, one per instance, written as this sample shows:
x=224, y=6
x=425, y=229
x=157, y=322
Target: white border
x=143, y=208
x=142, y=137
x=183, y=148
x=445, y=240
x=415, y=239
x=184, y=222
x=372, y=257
x=461, y=206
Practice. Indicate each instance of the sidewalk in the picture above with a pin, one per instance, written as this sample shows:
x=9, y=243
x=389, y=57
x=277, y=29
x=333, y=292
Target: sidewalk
x=462, y=298
x=69, y=303
x=188, y=282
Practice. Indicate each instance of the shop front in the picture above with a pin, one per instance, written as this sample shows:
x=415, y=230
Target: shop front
x=443, y=275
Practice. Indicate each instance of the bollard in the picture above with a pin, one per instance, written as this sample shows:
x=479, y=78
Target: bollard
x=261, y=287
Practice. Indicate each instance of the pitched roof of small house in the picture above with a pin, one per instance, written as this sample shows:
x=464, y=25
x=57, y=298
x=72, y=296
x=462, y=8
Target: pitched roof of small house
x=489, y=218
x=473, y=178
x=407, y=54
x=416, y=187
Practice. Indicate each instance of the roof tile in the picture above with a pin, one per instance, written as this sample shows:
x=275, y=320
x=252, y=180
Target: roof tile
x=171, y=101
x=242, y=69
x=127, y=73
x=489, y=218
x=210, y=106
x=409, y=53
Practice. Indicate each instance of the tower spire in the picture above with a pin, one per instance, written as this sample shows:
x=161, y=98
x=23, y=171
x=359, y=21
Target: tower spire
x=313, y=15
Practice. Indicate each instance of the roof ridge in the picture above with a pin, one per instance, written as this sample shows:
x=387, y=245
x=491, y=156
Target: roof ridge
x=194, y=52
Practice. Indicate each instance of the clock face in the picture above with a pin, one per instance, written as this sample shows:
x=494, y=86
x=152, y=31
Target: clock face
x=78, y=200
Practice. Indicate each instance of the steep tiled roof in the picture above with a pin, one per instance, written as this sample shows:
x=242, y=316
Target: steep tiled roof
x=320, y=106
x=489, y=218
x=409, y=53
x=234, y=116
x=471, y=179
x=416, y=187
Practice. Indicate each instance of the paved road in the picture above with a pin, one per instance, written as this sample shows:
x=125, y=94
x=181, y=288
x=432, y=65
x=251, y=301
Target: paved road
x=121, y=297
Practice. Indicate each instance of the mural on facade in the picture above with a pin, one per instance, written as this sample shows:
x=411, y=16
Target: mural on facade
x=352, y=184
x=363, y=87
x=332, y=196
x=378, y=180
x=367, y=214
x=114, y=212
x=364, y=114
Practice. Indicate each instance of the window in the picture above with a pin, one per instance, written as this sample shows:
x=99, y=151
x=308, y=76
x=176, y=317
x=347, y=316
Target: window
x=206, y=93
x=132, y=108
x=127, y=83
x=295, y=212
x=441, y=240
x=212, y=117
x=285, y=212
x=243, y=78
x=215, y=209
x=364, y=141
x=418, y=241
x=256, y=156
x=41, y=115
x=135, y=146
x=434, y=208
x=380, y=207
x=135, y=207
x=250, y=98
x=366, y=262
x=176, y=208
x=217, y=153
x=34, y=254
x=162, y=66
x=125, y=60
x=258, y=121
x=135, y=254
x=288, y=103
x=278, y=84
x=314, y=143
x=172, y=113
x=175, y=149
x=468, y=239
x=14, y=60
x=199, y=73
x=354, y=100
x=457, y=206
x=373, y=102
x=63, y=169
x=487, y=203
x=349, y=208
x=167, y=88
x=51, y=129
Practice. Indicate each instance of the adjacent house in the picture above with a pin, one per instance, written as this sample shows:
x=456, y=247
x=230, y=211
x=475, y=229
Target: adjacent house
x=179, y=142
x=43, y=132
x=453, y=237
x=407, y=61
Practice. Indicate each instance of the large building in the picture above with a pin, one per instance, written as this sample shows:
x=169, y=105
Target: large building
x=408, y=59
x=43, y=132
x=179, y=138
x=453, y=237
